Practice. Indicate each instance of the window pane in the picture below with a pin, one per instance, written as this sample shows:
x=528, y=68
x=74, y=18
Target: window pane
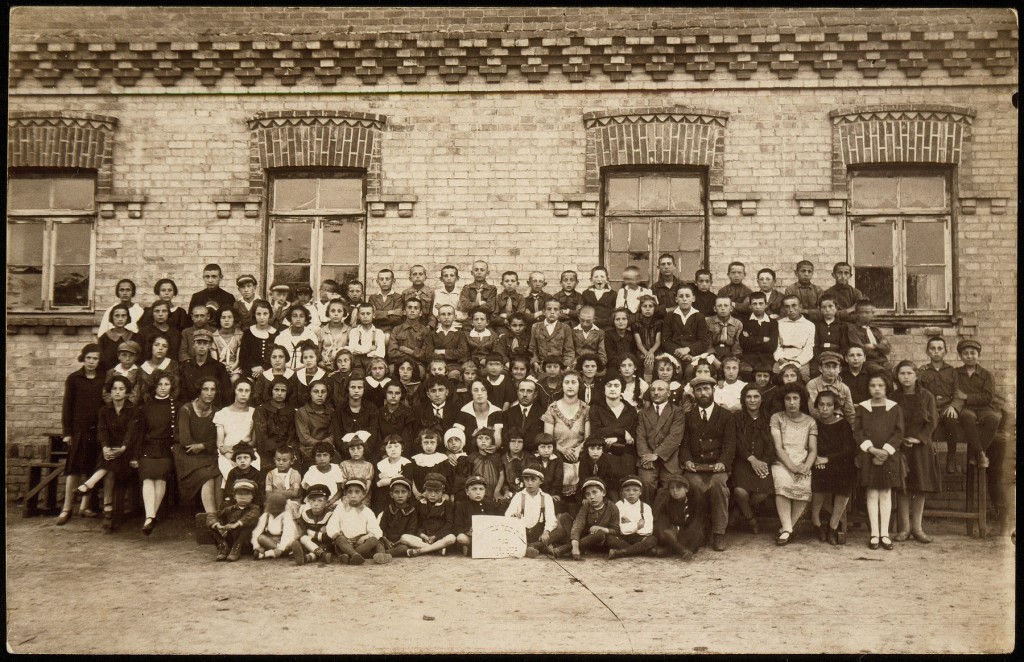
x=616, y=262
x=24, y=287
x=618, y=237
x=341, y=243
x=291, y=242
x=686, y=194
x=926, y=288
x=74, y=193
x=876, y=284
x=71, y=285
x=25, y=244
x=679, y=235
x=28, y=193
x=873, y=192
x=923, y=192
x=654, y=192
x=622, y=193
x=926, y=243
x=338, y=193
x=640, y=237
x=294, y=194
x=340, y=273
x=74, y=241
x=873, y=245
x=291, y=275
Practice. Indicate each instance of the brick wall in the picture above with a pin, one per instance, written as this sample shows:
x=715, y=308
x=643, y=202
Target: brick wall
x=503, y=173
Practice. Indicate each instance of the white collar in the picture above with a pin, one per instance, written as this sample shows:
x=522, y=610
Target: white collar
x=121, y=371
x=374, y=383
x=685, y=318
x=468, y=408
x=163, y=365
x=579, y=327
x=889, y=404
x=479, y=334
x=301, y=376
x=263, y=335
x=709, y=409
x=786, y=319
x=501, y=380
x=269, y=374
x=444, y=331
x=760, y=320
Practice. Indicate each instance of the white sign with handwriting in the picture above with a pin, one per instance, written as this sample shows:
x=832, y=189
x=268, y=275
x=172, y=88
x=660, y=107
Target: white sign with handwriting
x=498, y=537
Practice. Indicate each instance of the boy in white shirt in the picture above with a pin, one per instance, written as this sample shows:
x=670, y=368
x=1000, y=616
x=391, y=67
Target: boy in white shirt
x=354, y=529
x=537, y=511
x=636, y=522
x=632, y=290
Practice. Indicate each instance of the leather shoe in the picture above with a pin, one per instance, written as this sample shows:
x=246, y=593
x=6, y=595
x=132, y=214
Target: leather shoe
x=920, y=536
x=823, y=532
x=887, y=543
x=718, y=542
x=873, y=542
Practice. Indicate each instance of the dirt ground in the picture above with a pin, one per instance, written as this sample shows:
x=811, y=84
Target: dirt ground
x=73, y=589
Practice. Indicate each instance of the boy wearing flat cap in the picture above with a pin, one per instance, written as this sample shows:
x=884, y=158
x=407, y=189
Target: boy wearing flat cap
x=127, y=367
x=636, y=522
x=399, y=521
x=246, y=284
x=679, y=515
x=353, y=527
x=544, y=527
x=233, y=527
x=829, y=365
x=597, y=518
x=313, y=543
x=475, y=503
x=435, y=515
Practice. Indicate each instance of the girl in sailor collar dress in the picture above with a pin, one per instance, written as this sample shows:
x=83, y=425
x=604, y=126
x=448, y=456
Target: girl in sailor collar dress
x=878, y=429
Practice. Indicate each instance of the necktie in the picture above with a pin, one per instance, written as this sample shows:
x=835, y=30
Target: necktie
x=438, y=411
x=704, y=415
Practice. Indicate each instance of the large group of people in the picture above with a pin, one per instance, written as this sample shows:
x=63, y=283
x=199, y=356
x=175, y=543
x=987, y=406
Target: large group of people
x=644, y=420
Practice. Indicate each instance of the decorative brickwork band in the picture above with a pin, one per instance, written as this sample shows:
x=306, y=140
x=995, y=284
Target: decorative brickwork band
x=322, y=139
x=63, y=140
x=647, y=53
x=898, y=134
x=656, y=136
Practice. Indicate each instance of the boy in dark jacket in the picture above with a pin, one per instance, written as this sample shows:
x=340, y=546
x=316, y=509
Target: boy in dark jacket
x=597, y=518
x=435, y=519
x=475, y=503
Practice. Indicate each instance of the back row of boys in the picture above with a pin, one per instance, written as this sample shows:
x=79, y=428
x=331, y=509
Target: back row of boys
x=767, y=331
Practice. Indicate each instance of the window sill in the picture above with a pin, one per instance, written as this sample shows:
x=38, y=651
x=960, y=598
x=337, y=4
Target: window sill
x=41, y=323
x=905, y=322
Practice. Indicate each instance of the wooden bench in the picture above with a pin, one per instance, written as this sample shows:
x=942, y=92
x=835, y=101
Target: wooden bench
x=43, y=475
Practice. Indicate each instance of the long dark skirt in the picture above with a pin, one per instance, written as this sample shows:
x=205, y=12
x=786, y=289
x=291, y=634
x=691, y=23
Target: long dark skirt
x=193, y=471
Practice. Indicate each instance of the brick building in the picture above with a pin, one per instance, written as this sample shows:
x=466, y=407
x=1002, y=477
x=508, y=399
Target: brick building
x=306, y=143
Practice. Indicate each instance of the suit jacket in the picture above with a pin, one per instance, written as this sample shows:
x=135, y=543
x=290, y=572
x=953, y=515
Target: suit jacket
x=559, y=343
x=714, y=441
x=530, y=427
x=676, y=334
x=662, y=435
x=425, y=415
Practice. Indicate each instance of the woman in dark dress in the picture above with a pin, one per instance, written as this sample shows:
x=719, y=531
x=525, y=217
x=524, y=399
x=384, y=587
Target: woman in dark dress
x=755, y=452
x=177, y=317
x=117, y=423
x=273, y=422
x=83, y=398
x=835, y=471
x=151, y=454
x=920, y=417
x=195, y=454
x=615, y=420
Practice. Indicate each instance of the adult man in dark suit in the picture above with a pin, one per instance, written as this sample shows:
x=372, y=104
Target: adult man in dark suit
x=435, y=411
x=659, y=431
x=525, y=414
x=707, y=453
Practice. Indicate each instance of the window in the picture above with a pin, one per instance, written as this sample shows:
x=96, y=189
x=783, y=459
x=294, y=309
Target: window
x=650, y=213
x=900, y=240
x=317, y=226
x=51, y=222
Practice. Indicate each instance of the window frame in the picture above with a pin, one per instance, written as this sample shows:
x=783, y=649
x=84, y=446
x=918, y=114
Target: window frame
x=50, y=219
x=656, y=217
x=317, y=219
x=900, y=217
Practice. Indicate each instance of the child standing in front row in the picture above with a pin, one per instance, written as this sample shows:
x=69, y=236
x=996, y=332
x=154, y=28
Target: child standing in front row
x=834, y=474
x=486, y=462
x=393, y=466
x=878, y=430
x=356, y=467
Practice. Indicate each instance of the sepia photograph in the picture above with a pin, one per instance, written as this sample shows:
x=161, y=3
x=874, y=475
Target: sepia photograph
x=511, y=330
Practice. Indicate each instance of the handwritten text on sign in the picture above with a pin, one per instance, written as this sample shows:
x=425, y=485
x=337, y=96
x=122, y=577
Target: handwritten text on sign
x=498, y=537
